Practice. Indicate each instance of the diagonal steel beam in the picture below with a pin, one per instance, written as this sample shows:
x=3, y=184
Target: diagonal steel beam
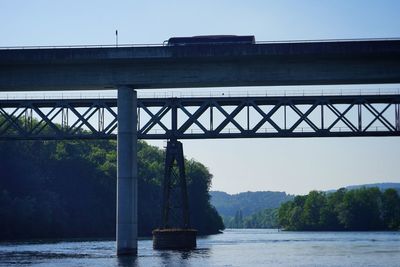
x=304, y=117
x=5, y=113
x=341, y=116
x=12, y=121
x=155, y=118
x=45, y=118
x=76, y=126
x=49, y=120
x=110, y=126
x=266, y=117
x=229, y=117
x=194, y=119
x=378, y=116
x=84, y=120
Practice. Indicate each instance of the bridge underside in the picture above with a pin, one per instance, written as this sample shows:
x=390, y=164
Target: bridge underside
x=204, y=118
x=303, y=63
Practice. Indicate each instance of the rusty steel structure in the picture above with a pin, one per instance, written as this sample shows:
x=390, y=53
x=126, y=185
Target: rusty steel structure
x=204, y=117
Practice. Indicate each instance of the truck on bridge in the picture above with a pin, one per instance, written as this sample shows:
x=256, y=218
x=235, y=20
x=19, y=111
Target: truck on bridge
x=211, y=39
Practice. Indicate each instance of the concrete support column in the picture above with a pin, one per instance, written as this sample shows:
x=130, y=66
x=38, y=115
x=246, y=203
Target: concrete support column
x=127, y=172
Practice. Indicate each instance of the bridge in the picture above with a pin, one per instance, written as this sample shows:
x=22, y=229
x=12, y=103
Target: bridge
x=204, y=117
x=262, y=64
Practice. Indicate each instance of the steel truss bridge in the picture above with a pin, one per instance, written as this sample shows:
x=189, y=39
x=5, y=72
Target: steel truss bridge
x=204, y=118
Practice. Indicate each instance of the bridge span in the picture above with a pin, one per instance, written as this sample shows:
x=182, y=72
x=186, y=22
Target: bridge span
x=204, y=117
x=289, y=63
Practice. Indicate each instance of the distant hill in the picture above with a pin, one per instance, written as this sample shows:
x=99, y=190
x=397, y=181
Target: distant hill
x=381, y=186
x=259, y=209
x=247, y=202
x=252, y=202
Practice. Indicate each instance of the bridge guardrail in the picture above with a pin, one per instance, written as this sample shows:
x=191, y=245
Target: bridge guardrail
x=217, y=93
x=162, y=44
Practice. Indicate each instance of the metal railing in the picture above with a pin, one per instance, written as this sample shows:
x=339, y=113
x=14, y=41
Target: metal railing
x=199, y=93
x=76, y=46
x=163, y=44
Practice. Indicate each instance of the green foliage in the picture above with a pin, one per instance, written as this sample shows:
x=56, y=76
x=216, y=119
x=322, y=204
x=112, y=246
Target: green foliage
x=391, y=209
x=312, y=209
x=237, y=221
x=68, y=189
x=248, y=202
x=263, y=219
x=249, y=209
x=360, y=209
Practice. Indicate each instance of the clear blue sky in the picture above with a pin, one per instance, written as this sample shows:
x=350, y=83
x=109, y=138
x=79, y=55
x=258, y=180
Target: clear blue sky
x=292, y=165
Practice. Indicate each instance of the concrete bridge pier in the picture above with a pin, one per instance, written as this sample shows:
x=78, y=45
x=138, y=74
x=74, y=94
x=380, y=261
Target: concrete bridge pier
x=127, y=172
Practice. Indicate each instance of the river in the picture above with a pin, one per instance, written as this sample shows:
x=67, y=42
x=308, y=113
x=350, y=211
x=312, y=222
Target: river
x=240, y=247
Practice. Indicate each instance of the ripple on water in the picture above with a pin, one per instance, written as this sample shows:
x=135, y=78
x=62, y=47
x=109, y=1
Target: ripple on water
x=233, y=248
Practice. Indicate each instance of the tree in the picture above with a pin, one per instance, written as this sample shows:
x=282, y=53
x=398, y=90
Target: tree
x=361, y=209
x=357, y=210
x=329, y=213
x=313, y=205
x=238, y=219
x=391, y=209
x=57, y=189
x=263, y=219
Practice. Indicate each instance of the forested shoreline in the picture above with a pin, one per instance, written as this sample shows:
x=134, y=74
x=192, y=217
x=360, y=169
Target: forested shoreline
x=266, y=218
x=363, y=209
x=249, y=209
x=67, y=189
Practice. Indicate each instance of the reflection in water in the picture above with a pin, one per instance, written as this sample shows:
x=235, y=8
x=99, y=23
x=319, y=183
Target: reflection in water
x=233, y=248
x=200, y=252
x=182, y=257
x=127, y=261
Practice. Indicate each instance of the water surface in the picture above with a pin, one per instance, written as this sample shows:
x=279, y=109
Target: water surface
x=244, y=247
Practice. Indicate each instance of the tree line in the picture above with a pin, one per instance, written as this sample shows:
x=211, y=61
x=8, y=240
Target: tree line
x=266, y=218
x=360, y=209
x=67, y=189
x=247, y=202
